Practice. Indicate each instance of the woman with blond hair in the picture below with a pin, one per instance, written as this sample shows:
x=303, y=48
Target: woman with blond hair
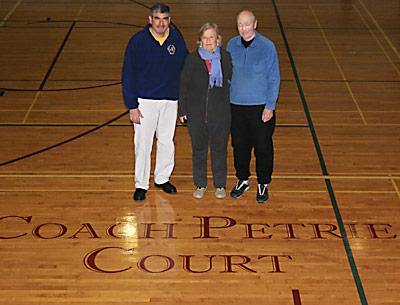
x=204, y=103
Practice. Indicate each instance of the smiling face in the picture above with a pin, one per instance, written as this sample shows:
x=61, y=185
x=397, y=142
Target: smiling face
x=159, y=23
x=247, y=24
x=209, y=40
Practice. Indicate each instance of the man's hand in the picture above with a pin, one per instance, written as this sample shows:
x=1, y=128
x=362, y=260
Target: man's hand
x=267, y=115
x=183, y=118
x=135, y=115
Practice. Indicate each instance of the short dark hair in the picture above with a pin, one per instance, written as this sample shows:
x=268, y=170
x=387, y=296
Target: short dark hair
x=159, y=8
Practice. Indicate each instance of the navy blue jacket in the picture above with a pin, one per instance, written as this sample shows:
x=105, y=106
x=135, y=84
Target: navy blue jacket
x=152, y=71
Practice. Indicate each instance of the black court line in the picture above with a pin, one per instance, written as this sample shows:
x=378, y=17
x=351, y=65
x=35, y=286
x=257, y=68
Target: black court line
x=141, y=4
x=65, y=141
x=79, y=135
x=4, y=89
x=117, y=81
x=61, y=89
x=61, y=125
x=115, y=125
x=60, y=49
x=328, y=184
x=60, y=80
x=74, y=25
x=85, y=21
x=33, y=22
x=325, y=3
x=63, y=27
x=148, y=7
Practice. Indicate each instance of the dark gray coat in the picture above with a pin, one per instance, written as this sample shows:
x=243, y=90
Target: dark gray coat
x=196, y=100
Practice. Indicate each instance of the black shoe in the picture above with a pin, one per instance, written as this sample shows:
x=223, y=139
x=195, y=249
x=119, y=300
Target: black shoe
x=167, y=187
x=262, y=193
x=139, y=194
x=240, y=187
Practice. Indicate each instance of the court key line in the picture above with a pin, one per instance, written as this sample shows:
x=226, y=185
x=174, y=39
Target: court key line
x=79, y=12
x=50, y=70
x=395, y=186
x=338, y=65
x=377, y=40
x=329, y=187
x=3, y=22
x=380, y=29
x=30, y=107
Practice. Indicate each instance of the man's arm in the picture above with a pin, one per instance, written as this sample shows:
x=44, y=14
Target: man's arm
x=129, y=89
x=273, y=84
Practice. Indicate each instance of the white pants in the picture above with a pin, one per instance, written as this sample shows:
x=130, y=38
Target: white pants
x=159, y=118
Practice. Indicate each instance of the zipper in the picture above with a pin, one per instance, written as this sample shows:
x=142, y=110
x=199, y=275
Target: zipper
x=208, y=91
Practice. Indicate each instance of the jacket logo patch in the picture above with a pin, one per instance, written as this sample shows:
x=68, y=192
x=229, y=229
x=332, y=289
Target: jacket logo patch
x=171, y=49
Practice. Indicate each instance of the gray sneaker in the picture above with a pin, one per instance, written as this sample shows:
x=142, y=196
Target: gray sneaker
x=199, y=192
x=220, y=192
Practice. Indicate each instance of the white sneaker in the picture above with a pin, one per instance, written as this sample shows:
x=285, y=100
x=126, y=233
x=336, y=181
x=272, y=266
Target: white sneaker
x=220, y=192
x=199, y=192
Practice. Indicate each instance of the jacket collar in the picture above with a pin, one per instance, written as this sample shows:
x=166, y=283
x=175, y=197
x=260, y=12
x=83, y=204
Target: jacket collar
x=171, y=32
x=253, y=44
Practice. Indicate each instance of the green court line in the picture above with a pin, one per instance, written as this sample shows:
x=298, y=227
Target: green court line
x=329, y=187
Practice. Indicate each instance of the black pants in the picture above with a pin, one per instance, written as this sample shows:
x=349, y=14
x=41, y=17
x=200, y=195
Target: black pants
x=216, y=135
x=248, y=132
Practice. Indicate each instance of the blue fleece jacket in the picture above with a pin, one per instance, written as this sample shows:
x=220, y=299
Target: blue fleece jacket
x=255, y=78
x=152, y=71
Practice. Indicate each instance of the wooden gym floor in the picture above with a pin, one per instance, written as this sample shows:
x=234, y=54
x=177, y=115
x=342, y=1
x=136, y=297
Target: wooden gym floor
x=69, y=231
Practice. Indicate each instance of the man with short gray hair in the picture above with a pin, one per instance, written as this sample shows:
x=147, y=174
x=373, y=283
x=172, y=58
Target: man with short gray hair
x=253, y=95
